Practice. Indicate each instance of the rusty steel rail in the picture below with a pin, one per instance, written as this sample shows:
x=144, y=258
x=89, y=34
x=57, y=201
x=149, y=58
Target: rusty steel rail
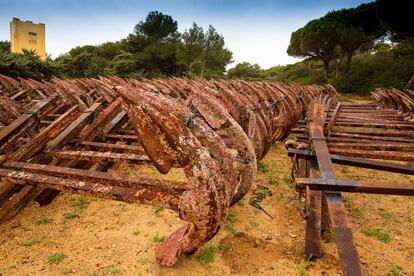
x=370, y=136
x=66, y=135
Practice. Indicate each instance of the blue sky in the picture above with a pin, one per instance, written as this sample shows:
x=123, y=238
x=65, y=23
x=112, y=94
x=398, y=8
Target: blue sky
x=257, y=31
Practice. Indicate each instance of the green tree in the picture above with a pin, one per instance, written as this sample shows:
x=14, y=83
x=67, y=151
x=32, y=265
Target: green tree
x=154, y=46
x=244, y=70
x=5, y=46
x=25, y=65
x=157, y=25
x=154, y=49
x=356, y=27
x=191, y=49
x=215, y=56
x=124, y=65
x=318, y=39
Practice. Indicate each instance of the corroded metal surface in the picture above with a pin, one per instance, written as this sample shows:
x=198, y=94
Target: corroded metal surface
x=64, y=135
x=352, y=135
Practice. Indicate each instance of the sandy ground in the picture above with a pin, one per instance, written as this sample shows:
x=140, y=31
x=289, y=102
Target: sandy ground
x=92, y=236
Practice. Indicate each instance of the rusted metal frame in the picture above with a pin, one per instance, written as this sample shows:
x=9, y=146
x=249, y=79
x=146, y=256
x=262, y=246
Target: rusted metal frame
x=381, y=136
x=348, y=254
x=346, y=140
x=46, y=196
x=127, y=131
x=13, y=204
x=127, y=194
x=392, y=117
x=299, y=129
x=333, y=118
x=19, y=127
x=358, y=162
x=74, y=128
x=31, y=148
x=97, y=156
x=112, y=147
x=317, y=120
x=363, y=109
x=102, y=119
x=45, y=122
x=367, y=132
x=375, y=115
x=111, y=136
x=16, y=96
x=372, y=117
x=104, y=178
x=313, y=231
x=401, y=125
x=388, y=155
x=37, y=143
x=382, y=146
x=369, y=121
x=361, y=106
x=352, y=186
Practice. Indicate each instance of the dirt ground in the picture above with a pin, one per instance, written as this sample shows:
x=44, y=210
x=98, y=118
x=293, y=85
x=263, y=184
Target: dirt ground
x=78, y=235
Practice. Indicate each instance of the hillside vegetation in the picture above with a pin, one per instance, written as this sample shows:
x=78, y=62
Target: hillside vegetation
x=355, y=49
x=154, y=49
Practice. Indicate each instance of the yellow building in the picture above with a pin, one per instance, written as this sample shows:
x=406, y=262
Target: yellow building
x=27, y=35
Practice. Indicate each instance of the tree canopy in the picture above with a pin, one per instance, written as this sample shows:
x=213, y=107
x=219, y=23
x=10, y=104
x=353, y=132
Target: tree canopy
x=244, y=70
x=157, y=25
x=340, y=34
x=154, y=49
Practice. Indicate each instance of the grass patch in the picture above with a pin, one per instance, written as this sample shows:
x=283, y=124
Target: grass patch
x=357, y=211
x=44, y=220
x=113, y=270
x=382, y=235
x=289, y=181
x=344, y=169
x=329, y=236
x=56, y=258
x=395, y=271
x=241, y=202
x=263, y=167
x=207, y=254
x=143, y=261
x=29, y=243
x=223, y=247
x=158, y=211
x=136, y=232
x=157, y=238
x=264, y=192
x=251, y=225
x=124, y=209
x=385, y=214
x=69, y=216
x=279, y=197
x=82, y=203
x=272, y=181
x=405, y=176
x=228, y=228
x=231, y=218
x=348, y=202
x=302, y=268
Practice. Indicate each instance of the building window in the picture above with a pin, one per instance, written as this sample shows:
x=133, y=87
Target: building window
x=32, y=37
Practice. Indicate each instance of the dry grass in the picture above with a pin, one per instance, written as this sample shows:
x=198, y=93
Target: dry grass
x=102, y=238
